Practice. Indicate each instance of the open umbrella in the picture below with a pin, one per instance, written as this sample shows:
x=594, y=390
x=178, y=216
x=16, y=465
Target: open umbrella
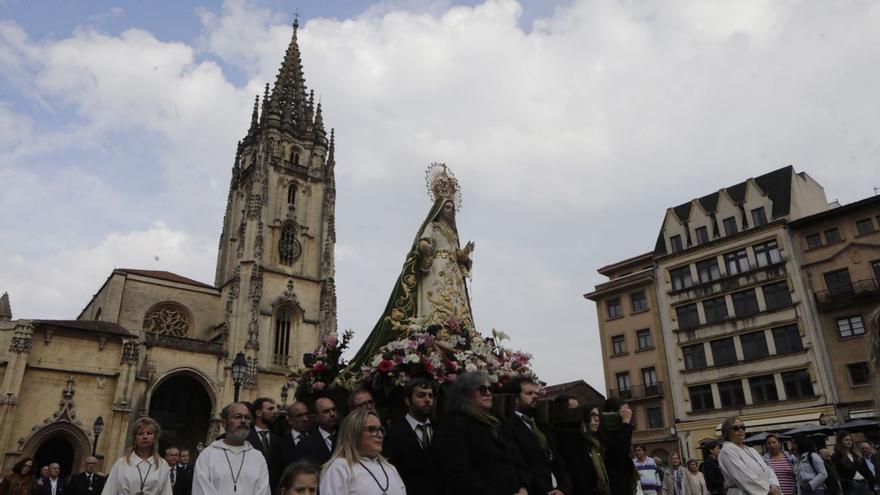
x=810, y=429
x=858, y=425
x=760, y=438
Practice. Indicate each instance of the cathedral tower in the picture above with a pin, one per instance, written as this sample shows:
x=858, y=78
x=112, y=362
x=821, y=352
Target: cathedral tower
x=275, y=263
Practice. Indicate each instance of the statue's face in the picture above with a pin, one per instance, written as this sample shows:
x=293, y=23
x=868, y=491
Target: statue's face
x=448, y=211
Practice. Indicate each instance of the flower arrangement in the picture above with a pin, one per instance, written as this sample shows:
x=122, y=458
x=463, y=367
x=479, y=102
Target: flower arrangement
x=321, y=367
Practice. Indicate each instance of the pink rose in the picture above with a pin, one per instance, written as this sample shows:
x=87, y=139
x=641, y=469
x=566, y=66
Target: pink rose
x=332, y=342
x=319, y=366
x=386, y=365
x=319, y=386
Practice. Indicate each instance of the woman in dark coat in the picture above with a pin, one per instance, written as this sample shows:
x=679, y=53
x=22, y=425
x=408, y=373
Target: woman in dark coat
x=855, y=476
x=474, y=458
x=616, y=436
x=21, y=480
x=581, y=451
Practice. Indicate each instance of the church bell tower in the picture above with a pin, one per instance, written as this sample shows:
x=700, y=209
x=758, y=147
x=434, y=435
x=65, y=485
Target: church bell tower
x=275, y=263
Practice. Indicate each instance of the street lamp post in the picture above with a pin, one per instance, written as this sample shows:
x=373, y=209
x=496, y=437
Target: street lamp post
x=239, y=368
x=97, y=428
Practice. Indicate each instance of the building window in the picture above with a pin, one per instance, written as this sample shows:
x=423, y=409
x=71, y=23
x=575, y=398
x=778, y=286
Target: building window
x=639, y=302
x=688, y=317
x=281, y=343
x=623, y=385
x=849, y=326
x=715, y=309
x=865, y=226
x=614, y=310
x=859, y=374
x=759, y=217
x=813, y=241
x=675, y=242
x=708, y=270
x=723, y=351
x=291, y=194
x=701, y=397
x=797, y=384
x=838, y=281
x=776, y=295
x=644, y=339
x=731, y=393
x=681, y=278
x=763, y=389
x=736, y=262
x=702, y=235
x=98, y=315
x=649, y=379
x=289, y=248
x=169, y=319
x=767, y=254
x=754, y=345
x=618, y=345
x=655, y=417
x=832, y=236
x=876, y=266
x=787, y=339
x=730, y=226
x=745, y=303
x=694, y=356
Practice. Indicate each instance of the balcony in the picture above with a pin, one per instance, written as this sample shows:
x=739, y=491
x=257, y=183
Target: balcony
x=639, y=392
x=184, y=344
x=281, y=360
x=848, y=293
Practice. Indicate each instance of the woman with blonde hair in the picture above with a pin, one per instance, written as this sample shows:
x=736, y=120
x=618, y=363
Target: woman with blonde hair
x=357, y=466
x=142, y=471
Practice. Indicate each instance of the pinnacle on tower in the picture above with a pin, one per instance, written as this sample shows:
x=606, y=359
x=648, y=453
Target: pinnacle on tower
x=287, y=100
x=5, y=309
x=255, y=116
x=319, y=124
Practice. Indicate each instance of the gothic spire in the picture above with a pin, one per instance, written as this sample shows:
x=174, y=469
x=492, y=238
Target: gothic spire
x=5, y=309
x=288, y=93
x=255, y=116
x=319, y=124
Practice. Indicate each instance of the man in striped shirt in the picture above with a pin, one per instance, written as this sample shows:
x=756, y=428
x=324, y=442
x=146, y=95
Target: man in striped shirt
x=649, y=474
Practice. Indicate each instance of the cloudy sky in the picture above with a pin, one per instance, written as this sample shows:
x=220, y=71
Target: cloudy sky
x=572, y=125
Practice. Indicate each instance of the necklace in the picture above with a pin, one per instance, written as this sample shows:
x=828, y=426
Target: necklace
x=144, y=477
x=235, y=477
x=387, y=480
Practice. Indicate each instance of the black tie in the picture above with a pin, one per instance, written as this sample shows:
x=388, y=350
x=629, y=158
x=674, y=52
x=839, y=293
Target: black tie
x=425, y=436
x=172, y=476
x=264, y=441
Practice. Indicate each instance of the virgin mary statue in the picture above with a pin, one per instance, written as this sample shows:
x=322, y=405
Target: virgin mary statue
x=431, y=288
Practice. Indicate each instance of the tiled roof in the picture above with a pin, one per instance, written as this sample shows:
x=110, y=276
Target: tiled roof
x=163, y=275
x=87, y=326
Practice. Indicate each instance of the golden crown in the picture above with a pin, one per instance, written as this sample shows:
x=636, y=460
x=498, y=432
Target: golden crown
x=442, y=184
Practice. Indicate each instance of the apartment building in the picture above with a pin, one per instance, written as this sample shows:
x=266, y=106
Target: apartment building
x=633, y=350
x=839, y=253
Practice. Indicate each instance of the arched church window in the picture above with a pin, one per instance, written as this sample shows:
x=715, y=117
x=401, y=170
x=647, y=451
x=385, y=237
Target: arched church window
x=281, y=342
x=291, y=194
x=294, y=156
x=289, y=248
x=167, y=319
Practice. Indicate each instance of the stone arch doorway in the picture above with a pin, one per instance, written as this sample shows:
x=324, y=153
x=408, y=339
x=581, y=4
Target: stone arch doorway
x=55, y=449
x=63, y=442
x=182, y=406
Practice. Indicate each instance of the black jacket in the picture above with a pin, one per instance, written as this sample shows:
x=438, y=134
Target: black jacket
x=621, y=470
x=286, y=452
x=314, y=449
x=416, y=465
x=577, y=458
x=271, y=464
x=540, y=465
x=79, y=484
x=474, y=461
x=847, y=469
x=46, y=489
x=714, y=476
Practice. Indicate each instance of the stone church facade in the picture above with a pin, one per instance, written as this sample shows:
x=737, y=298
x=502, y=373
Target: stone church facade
x=157, y=343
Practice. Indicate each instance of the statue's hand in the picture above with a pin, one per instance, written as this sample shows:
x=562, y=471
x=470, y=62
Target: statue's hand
x=469, y=247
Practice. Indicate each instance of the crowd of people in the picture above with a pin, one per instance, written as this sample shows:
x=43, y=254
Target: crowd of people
x=308, y=449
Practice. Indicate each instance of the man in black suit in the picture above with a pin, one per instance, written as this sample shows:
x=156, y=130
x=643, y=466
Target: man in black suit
x=88, y=482
x=318, y=446
x=872, y=461
x=536, y=443
x=289, y=446
x=53, y=484
x=408, y=441
x=185, y=473
x=263, y=438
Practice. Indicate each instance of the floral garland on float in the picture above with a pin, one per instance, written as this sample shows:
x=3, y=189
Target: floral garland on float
x=321, y=367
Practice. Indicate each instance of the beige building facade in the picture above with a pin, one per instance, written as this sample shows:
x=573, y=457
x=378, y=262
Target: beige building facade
x=633, y=350
x=157, y=343
x=839, y=252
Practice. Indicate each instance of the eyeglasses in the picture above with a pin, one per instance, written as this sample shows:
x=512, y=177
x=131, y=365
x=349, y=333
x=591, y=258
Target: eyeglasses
x=738, y=428
x=375, y=431
x=484, y=390
x=368, y=403
x=239, y=417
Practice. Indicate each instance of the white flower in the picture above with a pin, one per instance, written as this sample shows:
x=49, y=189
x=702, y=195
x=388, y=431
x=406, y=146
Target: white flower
x=470, y=367
x=493, y=378
x=413, y=358
x=376, y=360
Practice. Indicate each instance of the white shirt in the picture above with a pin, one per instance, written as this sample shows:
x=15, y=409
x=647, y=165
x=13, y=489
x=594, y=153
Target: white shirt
x=414, y=424
x=125, y=479
x=297, y=437
x=54, y=485
x=214, y=476
x=745, y=472
x=340, y=479
x=260, y=436
x=326, y=436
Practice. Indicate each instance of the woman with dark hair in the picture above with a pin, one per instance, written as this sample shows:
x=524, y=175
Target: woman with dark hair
x=581, y=451
x=855, y=476
x=21, y=480
x=811, y=472
x=299, y=478
x=744, y=470
x=782, y=463
x=474, y=457
x=616, y=436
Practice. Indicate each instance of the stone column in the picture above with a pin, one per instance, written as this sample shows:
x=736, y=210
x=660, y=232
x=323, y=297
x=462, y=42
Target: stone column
x=19, y=350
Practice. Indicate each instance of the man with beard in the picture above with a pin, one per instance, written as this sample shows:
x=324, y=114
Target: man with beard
x=231, y=466
x=320, y=444
x=536, y=443
x=263, y=438
x=408, y=441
